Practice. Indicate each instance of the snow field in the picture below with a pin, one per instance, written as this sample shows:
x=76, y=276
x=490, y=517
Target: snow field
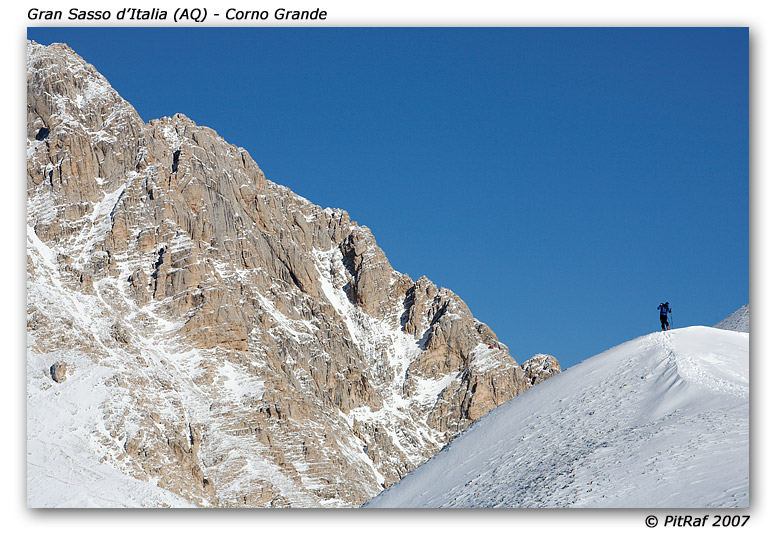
x=660, y=421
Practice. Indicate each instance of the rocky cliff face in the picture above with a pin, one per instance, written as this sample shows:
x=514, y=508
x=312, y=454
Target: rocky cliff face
x=241, y=346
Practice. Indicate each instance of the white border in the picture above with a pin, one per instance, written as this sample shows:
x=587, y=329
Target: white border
x=755, y=14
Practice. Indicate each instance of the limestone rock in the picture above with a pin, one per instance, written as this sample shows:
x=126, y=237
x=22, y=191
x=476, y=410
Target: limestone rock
x=58, y=372
x=540, y=367
x=261, y=350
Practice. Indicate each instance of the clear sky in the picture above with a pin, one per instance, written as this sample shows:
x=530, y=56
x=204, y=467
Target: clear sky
x=562, y=181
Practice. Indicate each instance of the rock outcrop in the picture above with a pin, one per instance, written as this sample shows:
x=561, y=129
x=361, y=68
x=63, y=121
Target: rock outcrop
x=58, y=372
x=540, y=367
x=257, y=349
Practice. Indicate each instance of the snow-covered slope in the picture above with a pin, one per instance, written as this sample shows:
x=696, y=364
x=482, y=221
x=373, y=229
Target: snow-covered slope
x=660, y=421
x=68, y=441
x=737, y=321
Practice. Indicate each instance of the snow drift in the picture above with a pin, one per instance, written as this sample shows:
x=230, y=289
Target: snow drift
x=659, y=421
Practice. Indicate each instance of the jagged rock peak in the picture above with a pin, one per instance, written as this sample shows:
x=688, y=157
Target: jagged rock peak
x=244, y=346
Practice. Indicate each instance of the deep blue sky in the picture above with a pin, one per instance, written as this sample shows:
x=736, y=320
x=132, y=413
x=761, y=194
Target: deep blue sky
x=562, y=181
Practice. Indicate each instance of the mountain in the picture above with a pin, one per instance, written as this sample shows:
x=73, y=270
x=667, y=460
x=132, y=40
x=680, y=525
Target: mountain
x=660, y=421
x=199, y=335
x=737, y=321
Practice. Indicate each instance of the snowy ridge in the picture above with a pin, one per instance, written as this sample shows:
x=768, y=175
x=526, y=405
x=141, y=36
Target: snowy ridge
x=737, y=321
x=660, y=421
